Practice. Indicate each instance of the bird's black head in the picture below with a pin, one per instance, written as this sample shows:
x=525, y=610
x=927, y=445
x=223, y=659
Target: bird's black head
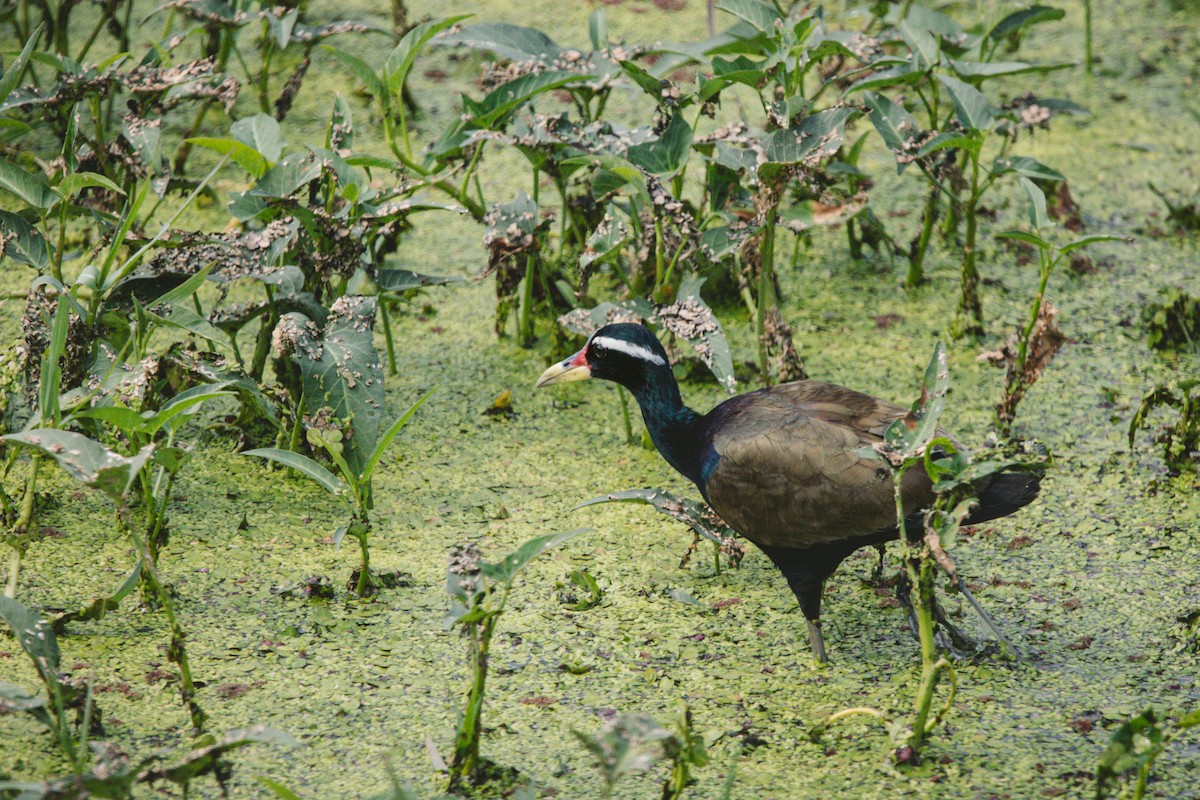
x=625, y=353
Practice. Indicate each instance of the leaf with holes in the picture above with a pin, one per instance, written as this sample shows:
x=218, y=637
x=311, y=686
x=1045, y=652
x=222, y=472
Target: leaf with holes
x=85, y=460
x=341, y=370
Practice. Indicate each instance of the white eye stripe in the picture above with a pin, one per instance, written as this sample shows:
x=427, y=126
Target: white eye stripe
x=630, y=349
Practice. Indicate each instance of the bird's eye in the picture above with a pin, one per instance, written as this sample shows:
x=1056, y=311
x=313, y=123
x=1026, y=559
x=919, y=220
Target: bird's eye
x=599, y=350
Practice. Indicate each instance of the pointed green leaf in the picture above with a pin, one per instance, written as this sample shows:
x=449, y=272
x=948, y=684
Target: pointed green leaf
x=23, y=243
x=400, y=60
x=389, y=434
x=12, y=75
x=973, y=110
x=1036, y=203
x=85, y=460
x=506, y=569
x=760, y=14
x=302, y=464
x=31, y=189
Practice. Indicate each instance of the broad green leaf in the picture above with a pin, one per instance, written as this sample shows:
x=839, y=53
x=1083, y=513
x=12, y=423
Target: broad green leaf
x=50, y=385
x=184, y=402
x=341, y=371
x=246, y=156
x=361, y=69
x=85, y=460
x=389, y=434
x=12, y=75
x=1019, y=20
x=302, y=464
x=948, y=139
x=978, y=70
x=898, y=75
x=1084, y=241
x=31, y=189
x=692, y=513
x=23, y=243
x=207, y=759
x=503, y=99
x=668, y=154
x=281, y=27
x=177, y=315
x=172, y=459
x=1036, y=203
x=18, y=698
x=260, y=132
x=645, y=81
x=404, y=280
x=398, y=63
x=1133, y=745
x=33, y=633
x=511, y=41
x=924, y=45
x=760, y=14
x=504, y=570
x=1029, y=167
x=817, y=136
x=185, y=290
x=909, y=435
x=1027, y=238
x=690, y=318
x=724, y=240
x=606, y=240
x=76, y=181
x=973, y=110
x=124, y=419
x=896, y=126
x=598, y=29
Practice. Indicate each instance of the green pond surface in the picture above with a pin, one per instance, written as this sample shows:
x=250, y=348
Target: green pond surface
x=1089, y=582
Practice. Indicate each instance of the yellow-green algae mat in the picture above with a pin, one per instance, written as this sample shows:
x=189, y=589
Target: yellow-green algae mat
x=1090, y=581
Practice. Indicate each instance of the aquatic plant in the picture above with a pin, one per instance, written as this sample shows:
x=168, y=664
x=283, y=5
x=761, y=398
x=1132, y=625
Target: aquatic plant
x=697, y=515
x=1133, y=749
x=355, y=453
x=1028, y=352
x=1173, y=320
x=114, y=475
x=915, y=441
x=631, y=743
x=942, y=74
x=67, y=709
x=1180, y=441
x=479, y=592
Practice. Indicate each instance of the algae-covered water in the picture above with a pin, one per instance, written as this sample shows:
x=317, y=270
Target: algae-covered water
x=1090, y=582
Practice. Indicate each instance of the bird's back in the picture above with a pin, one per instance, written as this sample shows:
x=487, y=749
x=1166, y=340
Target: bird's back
x=783, y=467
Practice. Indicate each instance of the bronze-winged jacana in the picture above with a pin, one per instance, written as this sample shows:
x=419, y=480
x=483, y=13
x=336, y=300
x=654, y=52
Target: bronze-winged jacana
x=781, y=465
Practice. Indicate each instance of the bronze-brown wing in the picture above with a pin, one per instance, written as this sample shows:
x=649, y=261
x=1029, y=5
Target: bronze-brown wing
x=788, y=472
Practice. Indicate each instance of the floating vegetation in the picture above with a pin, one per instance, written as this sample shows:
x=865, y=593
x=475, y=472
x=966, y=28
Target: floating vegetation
x=244, y=228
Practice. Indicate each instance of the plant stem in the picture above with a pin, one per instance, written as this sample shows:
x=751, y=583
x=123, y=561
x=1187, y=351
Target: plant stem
x=920, y=576
x=466, y=746
x=177, y=651
x=364, y=585
x=1047, y=264
x=766, y=291
x=970, y=304
x=1087, y=37
x=916, y=258
x=387, y=335
x=625, y=415
x=24, y=522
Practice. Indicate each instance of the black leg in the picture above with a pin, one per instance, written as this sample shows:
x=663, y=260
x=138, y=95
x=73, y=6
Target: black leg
x=806, y=571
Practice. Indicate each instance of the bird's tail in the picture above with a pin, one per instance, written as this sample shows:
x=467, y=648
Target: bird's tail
x=1004, y=494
